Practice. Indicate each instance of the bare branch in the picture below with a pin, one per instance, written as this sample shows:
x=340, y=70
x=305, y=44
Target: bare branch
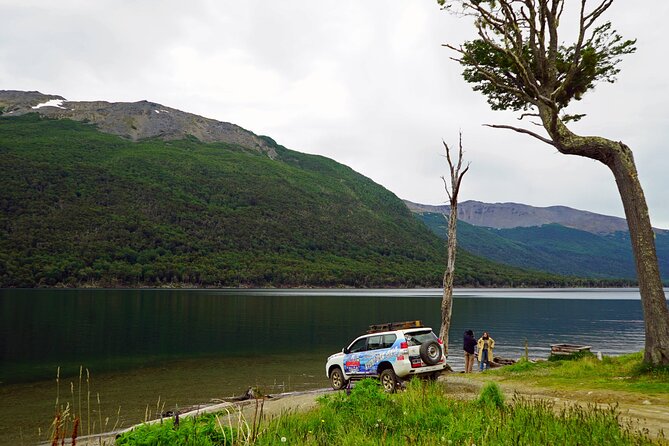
x=559, y=14
x=598, y=11
x=512, y=19
x=521, y=130
x=573, y=69
x=459, y=150
x=448, y=192
x=456, y=172
x=448, y=154
x=532, y=40
x=550, y=16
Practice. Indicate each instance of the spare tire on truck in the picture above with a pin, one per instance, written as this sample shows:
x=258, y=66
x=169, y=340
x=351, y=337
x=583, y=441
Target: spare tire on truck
x=430, y=352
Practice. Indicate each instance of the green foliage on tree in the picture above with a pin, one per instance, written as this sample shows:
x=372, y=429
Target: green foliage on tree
x=494, y=71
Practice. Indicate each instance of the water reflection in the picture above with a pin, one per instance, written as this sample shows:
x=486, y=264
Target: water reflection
x=188, y=346
x=112, y=329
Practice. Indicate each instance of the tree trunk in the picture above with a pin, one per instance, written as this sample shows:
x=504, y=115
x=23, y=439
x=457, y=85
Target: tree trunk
x=619, y=159
x=449, y=273
x=653, y=300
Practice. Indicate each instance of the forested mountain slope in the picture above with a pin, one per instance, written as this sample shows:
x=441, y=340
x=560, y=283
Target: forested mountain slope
x=552, y=248
x=80, y=207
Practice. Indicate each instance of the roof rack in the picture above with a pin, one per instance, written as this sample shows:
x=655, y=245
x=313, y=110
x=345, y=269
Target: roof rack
x=390, y=326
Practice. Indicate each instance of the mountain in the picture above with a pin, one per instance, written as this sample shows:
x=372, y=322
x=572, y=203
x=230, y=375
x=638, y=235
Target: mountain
x=515, y=215
x=552, y=248
x=134, y=121
x=139, y=194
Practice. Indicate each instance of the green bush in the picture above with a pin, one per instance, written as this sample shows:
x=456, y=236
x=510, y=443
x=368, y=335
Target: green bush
x=491, y=396
x=201, y=431
x=572, y=357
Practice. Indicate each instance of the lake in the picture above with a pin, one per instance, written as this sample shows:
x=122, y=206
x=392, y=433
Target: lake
x=188, y=346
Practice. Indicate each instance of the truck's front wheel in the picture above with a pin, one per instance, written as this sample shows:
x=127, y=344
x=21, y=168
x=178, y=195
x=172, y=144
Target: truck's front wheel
x=337, y=379
x=388, y=380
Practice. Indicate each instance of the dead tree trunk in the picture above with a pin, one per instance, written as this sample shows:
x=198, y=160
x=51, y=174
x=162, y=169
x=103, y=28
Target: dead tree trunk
x=449, y=273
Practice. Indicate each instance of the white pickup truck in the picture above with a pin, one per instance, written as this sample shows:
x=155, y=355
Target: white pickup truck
x=392, y=352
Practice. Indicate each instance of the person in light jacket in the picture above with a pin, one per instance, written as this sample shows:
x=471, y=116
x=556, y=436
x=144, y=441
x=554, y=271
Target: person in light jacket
x=485, y=346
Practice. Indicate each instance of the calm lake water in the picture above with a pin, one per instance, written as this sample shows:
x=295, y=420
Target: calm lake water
x=188, y=346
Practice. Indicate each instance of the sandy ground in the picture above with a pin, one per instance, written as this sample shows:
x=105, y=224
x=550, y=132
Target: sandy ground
x=646, y=414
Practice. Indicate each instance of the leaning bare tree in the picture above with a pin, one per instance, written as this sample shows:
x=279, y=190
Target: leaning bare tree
x=520, y=63
x=447, y=299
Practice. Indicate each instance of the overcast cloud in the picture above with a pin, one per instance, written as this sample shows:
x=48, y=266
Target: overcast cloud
x=364, y=82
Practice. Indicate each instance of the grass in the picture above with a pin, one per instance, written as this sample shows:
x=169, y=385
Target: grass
x=421, y=415
x=625, y=373
x=201, y=431
x=74, y=418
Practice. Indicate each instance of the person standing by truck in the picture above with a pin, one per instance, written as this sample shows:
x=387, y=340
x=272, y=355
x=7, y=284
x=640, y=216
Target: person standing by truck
x=469, y=345
x=485, y=346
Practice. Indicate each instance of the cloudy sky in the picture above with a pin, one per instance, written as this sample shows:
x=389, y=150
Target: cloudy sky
x=364, y=82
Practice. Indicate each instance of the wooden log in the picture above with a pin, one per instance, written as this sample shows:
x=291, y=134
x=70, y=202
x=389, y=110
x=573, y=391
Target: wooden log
x=568, y=349
x=499, y=362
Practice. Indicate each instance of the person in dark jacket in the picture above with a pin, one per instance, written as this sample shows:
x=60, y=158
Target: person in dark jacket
x=469, y=345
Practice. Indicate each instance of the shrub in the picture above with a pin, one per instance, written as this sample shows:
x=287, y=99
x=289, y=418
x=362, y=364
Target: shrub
x=491, y=396
x=572, y=357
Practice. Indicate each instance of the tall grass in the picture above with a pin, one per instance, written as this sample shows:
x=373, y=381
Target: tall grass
x=225, y=428
x=70, y=416
x=422, y=415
